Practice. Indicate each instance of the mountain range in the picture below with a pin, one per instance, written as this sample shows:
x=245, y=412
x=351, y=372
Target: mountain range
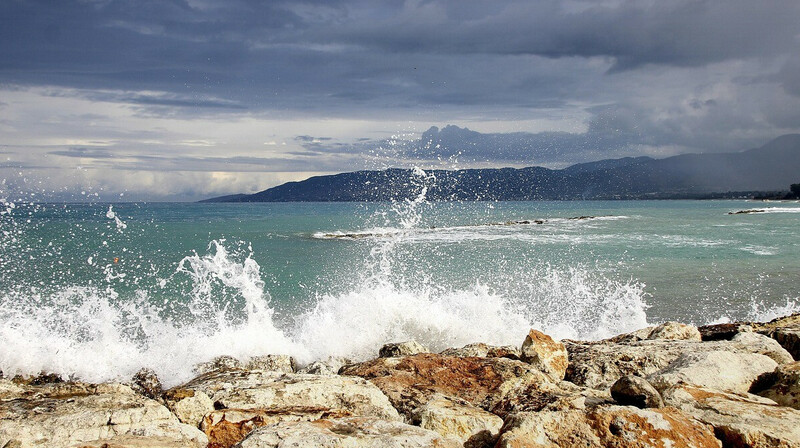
x=772, y=167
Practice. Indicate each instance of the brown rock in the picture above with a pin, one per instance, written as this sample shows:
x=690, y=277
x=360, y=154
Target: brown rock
x=606, y=426
x=785, y=387
x=411, y=381
x=547, y=355
x=723, y=332
x=634, y=391
x=788, y=338
x=146, y=382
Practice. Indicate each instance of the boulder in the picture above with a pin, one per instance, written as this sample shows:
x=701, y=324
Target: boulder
x=454, y=419
x=329, y=366
x=545, y=396
x=243, y=400
x=606, y=426
x=785, y=387
x=353, y=432
x=272, y=363
x=79, y=414
x=190, y=406
x=406, y=348
x=9, y=390
x=758, y=343
x=723, y=332
x=788, y=338
x=481, y=350
x=635, y=391
x=218, y=363
x=411, y=381
x=146, y=382
x=547, y=355
x=739, y=420
x=725, y=371
x=675, y=331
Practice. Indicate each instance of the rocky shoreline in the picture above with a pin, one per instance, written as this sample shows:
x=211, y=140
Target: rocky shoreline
x=673, y=385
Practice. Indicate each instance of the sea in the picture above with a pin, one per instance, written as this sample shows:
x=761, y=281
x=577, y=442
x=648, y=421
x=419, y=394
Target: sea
x=96, y=291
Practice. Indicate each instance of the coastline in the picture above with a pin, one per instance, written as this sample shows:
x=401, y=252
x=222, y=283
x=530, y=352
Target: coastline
x=735, y=384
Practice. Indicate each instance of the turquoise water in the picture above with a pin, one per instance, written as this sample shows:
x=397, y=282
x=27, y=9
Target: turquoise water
x=98, y=290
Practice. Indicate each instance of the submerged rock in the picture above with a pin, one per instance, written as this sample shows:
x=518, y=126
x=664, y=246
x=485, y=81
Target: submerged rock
x=725, y=371
x=739, y=420
x=606, y=426
x=634, y=391
x=79, y=414
x=353, y=432
x=406, y=348
x=411, y=381
x=454, y=419
x=547, y=355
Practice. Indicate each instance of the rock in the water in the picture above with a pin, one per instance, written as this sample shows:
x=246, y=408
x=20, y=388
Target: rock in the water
x=406, y=348
x=329, y=366
x=785, y=389
x=739, y=420
x=244, y=400
x=86, y=415
x=411, y=381
x=472, y=427
x=675, y=331
x=353, y=432
x=724, y=371
x=272, y=363
x=146, y=382
x=481, y=350
x=547, y=355
x=606, y=426
x=635, y=391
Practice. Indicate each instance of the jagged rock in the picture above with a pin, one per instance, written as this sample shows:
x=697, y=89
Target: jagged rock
x=785, y=387
x=675, y=331
x=764, y=345
x=9, y=390
x=635, y=391
x=785, y=330
x=190, y=406
x=481, y=350
x=739, y=420
x=723, y=332
x=454, y=419
x=267, y=397
x=411, y=381
x=354, y=432
x=274, y=363
x=547, y=355
x=725, y=371
x=406, y=348
x=218, y=363
x=146, y=382
x=79, y=414
x=550, y=397
x=599, y=364
x=329, y=366
x=606, y=426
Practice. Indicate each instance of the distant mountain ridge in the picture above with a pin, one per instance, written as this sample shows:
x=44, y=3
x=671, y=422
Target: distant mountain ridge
x=772, y=167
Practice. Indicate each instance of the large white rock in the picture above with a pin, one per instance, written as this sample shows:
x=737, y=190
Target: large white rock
x=725, y=371
x=354, y=432
x=77, y=414
x=472, y=427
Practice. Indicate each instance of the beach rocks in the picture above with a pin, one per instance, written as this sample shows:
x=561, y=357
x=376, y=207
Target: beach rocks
x=79, y=414
x=146, y=382
x=547, y=396
x=675, y=331
x=634, y=391
x=411, y=381
x=329, y=366
x=545, y=354
x=353, y=432
x=190, y=406
x=726, y=371
x=739, y=420
x=784, y=386
x=472, y=427
x=482, y=350
x=272, y=363
x=606, y=426
x=401, y=349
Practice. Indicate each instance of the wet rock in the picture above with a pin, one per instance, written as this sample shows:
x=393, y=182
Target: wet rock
x=482, y=350
x=454, y=419
x=79, y=414
x=675, y=331
x=545, y=354
x=723, y=332
x=329, y=366
x=406, y=348
x=218, y=363
x=146, y=382
x=272, y=363
x=190, y=406
x=725, y=371
x=785, y=387
x=243, y=400
x=354, y=432
x=739, y=420
x=635, y=391
x=411, y=381
x=606, y=426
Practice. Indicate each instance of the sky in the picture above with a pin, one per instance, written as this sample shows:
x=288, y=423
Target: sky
x=189, y=99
